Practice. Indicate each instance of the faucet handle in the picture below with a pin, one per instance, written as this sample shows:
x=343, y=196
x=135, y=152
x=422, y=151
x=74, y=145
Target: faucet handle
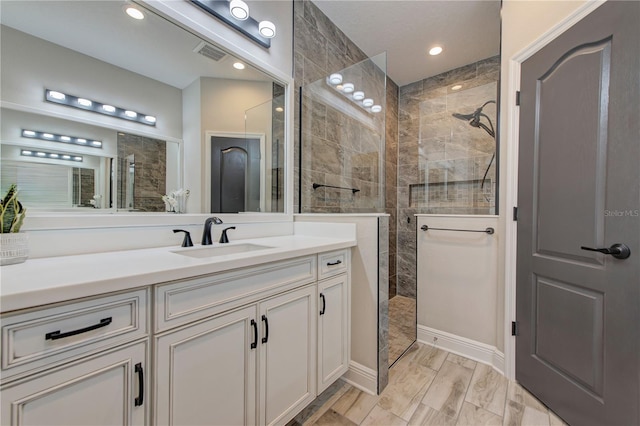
x=224, y=238
x=187, y=238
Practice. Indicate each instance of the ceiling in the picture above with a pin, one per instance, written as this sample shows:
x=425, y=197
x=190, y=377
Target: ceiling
x=406, y=29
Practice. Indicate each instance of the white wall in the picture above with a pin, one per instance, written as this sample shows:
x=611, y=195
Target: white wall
x=457, y=281
x=30, y=64
x=523, y=22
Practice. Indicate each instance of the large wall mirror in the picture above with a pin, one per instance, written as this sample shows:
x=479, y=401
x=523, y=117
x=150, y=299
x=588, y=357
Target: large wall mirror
x=101, y=110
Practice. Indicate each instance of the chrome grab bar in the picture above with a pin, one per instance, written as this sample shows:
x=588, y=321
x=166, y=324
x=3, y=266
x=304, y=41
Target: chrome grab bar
x=489, y=230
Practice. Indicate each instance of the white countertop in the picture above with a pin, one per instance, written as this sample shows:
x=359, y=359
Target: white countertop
x=57, y=279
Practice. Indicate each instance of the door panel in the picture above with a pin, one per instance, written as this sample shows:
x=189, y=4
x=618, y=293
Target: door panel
x=558, y=194
x=579, y=185
x=235, y=175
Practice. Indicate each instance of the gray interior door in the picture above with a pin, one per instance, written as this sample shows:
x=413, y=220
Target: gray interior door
x=235, y=175
x=579, y=186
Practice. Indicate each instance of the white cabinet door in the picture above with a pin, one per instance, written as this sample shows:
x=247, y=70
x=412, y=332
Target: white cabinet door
x=205, y=373
x=287, y=354
x=107, y=389
x=333, y=330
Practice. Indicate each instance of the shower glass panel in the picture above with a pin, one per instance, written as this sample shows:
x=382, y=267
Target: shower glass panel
x=342, y=143
x=456, y=152
x=265, y=122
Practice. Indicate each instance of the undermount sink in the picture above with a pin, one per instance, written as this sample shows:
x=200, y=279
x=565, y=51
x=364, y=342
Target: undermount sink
x=204, y=252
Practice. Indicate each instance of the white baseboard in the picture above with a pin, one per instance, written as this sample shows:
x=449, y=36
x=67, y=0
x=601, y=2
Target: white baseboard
x=361, y=377
x=458, y=345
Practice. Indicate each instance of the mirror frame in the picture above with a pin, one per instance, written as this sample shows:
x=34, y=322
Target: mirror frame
x=190, y=19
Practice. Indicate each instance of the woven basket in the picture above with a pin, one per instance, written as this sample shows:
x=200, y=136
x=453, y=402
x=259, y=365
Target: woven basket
x=14, y=248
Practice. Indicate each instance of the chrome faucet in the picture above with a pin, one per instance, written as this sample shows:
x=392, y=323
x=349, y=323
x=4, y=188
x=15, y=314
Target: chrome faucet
x=206, y=234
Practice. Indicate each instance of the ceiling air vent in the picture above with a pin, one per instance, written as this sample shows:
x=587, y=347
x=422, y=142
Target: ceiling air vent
x=209, y=51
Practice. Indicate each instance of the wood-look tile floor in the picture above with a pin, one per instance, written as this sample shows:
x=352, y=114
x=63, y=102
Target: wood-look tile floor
x=429, y=386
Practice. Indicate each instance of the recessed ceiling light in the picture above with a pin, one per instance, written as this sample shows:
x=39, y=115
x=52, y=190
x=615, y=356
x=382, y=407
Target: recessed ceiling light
x=435, y=50
x=134, y=13
x=457, y=87
x=367, y=102
x=109, y=108
x=376, y=108
x=348, y=87
x=131, y=114
x=239, y=65
x=279, y=109
x=358, y=95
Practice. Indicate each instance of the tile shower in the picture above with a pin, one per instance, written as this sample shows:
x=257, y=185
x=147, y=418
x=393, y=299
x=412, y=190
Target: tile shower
x=445, y=165
x=429, y=161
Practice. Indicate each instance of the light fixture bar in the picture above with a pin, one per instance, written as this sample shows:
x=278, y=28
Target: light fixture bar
x=51, y=155
x=53, y=137
x=249, y=27
x=98, y=107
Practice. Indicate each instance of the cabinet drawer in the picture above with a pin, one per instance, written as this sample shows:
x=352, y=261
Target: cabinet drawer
x=44, y=336
x=182, y=302
x=332, y=263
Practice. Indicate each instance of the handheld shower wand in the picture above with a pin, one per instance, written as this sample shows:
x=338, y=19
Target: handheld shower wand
x=474, y=121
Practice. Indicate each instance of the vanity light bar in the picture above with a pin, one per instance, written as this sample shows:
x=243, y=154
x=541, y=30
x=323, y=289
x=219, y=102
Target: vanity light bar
x=53, y=137
x=98, y=107
x=249, y=26
x=349, y=91
x=51, y=155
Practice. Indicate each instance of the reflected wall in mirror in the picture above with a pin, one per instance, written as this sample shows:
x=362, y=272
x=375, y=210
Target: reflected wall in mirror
x=152, y=66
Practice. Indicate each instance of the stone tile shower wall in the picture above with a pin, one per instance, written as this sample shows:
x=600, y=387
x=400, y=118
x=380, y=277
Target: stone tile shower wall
x=321, y=48
x=150, y=176
x=442, y=160
x=343, y=145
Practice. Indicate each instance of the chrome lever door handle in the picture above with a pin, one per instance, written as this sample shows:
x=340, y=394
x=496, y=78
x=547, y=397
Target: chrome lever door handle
x=619, y=251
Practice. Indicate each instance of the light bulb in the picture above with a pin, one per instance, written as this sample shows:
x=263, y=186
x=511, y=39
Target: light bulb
x=435, y=50
x=239, y=9
x=65, y=138
x=150, y=118
x=239, y=65
x=267, y=29
x=47, y=135
x=84, y=102
x=131, y=114
x=56, y=95
x=358, y=95
x=28, y=133
x=109, y=108
x=335, y=79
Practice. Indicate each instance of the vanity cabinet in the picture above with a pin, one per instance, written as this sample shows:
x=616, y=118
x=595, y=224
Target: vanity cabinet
x=104, y=389
x=248, y=346
x=333, y=317
x=252, y=364
x=77, y=363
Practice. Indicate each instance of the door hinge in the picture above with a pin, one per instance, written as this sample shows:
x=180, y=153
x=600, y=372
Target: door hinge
x=517, y=98
x=514, y=328
x=515, y=214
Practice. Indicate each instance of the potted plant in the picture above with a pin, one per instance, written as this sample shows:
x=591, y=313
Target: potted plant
x=14, y=246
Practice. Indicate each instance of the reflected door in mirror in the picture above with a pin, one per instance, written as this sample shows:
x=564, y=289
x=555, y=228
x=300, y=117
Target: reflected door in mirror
x=235, y=175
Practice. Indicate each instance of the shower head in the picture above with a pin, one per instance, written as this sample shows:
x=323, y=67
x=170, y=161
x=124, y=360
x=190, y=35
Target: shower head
x=474, y=118
x=464, y=116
